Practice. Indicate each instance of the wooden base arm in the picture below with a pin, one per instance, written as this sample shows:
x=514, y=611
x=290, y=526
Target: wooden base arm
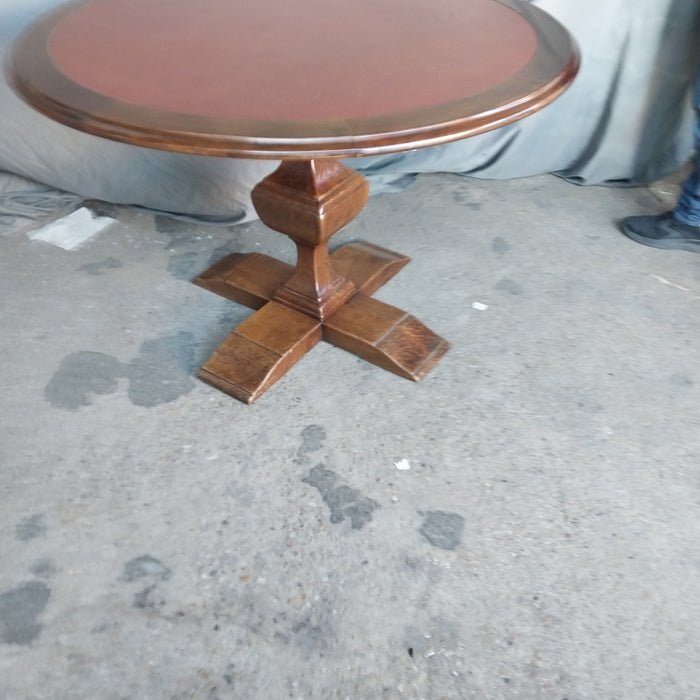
x=260, y=351
x=366, y=265
x=252, y=279
x=385, y=336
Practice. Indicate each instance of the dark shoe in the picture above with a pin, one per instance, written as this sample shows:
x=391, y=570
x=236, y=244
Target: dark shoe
x=662, y=231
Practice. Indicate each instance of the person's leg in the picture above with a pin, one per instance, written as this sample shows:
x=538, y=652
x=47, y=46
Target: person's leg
x=678, y=229
x=687, y=210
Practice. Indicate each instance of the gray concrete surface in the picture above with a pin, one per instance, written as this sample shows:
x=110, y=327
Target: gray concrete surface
x=161, y=540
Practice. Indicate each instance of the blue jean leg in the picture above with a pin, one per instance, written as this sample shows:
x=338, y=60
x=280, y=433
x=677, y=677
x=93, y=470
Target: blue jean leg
x=688, y=207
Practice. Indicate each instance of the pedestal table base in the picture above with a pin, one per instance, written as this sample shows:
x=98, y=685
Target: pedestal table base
x=326, y=296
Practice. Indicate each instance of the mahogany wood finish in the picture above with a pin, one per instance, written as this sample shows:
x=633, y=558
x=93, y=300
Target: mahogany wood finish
x=309, y=201
x=305, y=82
x=356, y=77
x=260, y=351
x=323, y=296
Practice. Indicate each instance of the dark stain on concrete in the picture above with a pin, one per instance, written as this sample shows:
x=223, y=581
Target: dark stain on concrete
x=681, y=379
x=589, y=405
x=461, y=198
x=183, y=247
x=442, y=529
x=185, y=265
x=177, y=230
x=161, y=373
x=229, y=318
x=81, y=374
x=19, y=609
x=233, y=245
x=145, y=566
x=151, y=572
x=509, y=285
x=500, y=245
x=312, y=439
x=43, y=568
x=189, y=254
x=229, y=676
x=343, y=501
x=143, y=600
x=312, y=632
x=100, y=208
x=99, y=268
x=30, y=527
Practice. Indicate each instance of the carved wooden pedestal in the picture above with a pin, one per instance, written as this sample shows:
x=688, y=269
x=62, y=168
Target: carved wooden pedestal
x=324, y=296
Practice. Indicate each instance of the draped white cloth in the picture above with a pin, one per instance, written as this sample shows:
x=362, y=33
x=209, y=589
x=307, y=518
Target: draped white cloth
x=625, y=120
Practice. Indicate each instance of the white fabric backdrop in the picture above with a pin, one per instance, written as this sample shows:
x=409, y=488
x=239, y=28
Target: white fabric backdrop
x=626, y=119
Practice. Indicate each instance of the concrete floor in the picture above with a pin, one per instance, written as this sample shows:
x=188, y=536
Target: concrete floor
x=161, y=540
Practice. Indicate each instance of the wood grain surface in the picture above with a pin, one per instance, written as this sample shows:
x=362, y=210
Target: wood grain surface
x=281, y=80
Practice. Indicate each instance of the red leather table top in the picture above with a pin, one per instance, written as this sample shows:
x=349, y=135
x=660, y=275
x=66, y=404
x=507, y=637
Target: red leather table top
x=278, y=78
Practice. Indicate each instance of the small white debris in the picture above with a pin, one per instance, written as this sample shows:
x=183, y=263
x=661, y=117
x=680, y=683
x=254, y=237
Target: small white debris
x=479, y=306
x=402, y=465
x=70, y=232
x=663, y=280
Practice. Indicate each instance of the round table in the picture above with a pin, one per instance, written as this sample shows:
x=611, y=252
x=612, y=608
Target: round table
x=306, y=82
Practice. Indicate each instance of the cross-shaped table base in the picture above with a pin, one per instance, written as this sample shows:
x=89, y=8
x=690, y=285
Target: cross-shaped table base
x=326, y=296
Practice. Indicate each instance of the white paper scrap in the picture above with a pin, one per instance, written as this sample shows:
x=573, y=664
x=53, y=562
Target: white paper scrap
x=71, y=231
x=479, y=306
x=402, y=465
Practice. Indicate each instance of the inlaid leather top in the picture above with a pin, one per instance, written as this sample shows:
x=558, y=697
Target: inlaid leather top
x=278, y=78
x=291, y=60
